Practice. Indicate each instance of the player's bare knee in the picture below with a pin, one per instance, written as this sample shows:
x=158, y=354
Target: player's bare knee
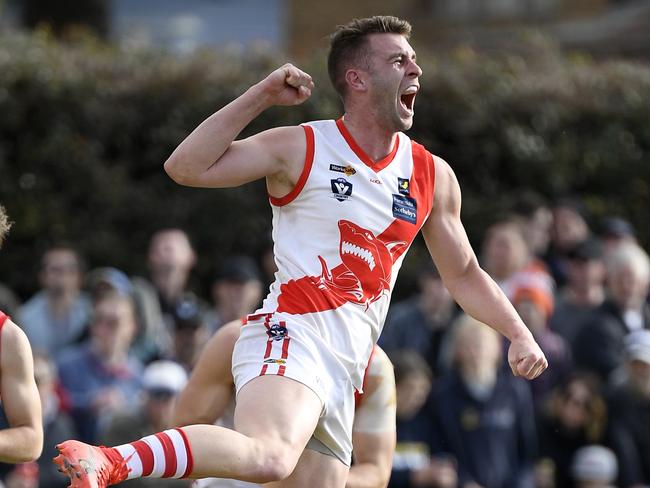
x=276, y=463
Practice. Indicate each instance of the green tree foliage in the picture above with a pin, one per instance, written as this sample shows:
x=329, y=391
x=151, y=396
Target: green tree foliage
x=85, y=129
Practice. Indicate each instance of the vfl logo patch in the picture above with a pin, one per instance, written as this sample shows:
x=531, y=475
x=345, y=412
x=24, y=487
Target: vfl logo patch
x=348, y=170
x=275, y=361
x=403, y=186
x=277, y=332
x=342, y=189
x=405, y=208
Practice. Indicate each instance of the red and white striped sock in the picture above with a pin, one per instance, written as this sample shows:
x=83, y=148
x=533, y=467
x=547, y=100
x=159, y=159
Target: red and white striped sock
x=163, y=455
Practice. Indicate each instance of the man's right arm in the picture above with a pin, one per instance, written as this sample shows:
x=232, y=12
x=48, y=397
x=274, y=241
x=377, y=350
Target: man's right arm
x=210, y=387
x=210, y=157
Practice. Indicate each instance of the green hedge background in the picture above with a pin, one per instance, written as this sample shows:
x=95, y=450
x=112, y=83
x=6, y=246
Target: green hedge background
x=85, y=128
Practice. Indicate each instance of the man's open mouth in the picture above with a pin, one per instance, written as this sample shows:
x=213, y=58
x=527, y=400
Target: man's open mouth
x=407, y=98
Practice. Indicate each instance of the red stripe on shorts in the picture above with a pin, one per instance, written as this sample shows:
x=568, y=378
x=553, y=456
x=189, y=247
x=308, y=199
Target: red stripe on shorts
x=170, y=454
x=146, y=456
x=285, y=355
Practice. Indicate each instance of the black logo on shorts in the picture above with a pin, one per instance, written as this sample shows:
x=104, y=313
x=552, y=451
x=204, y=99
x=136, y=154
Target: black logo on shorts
x=277, y=332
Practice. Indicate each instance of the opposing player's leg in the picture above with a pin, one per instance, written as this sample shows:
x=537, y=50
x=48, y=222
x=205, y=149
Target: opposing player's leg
x=275, y=417
x=315, y=470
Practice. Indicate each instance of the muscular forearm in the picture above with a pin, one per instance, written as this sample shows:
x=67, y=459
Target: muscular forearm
x=20, y=444
x=482, y=298
x=210, y=140
x=366, y=475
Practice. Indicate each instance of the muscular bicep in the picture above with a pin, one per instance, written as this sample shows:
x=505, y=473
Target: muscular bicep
x=209, y=390
x=20, y=398
x=444, y=233
x=277, y=154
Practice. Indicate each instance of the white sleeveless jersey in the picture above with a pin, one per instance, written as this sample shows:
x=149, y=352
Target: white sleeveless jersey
x=340, y=237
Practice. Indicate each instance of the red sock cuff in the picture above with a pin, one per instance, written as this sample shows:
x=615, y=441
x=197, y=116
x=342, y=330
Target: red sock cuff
x=188, y=449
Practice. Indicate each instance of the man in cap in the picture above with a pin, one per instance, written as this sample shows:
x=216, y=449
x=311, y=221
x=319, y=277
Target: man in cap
x=162, y=381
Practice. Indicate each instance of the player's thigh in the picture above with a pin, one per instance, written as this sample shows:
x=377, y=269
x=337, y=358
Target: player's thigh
x=315, y=470
x=277, y=409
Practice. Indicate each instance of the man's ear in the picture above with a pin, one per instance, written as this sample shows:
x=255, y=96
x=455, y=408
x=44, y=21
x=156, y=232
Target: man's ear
x=356, y=80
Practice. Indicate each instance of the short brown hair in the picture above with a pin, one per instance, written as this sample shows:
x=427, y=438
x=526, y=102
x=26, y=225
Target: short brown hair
x=5, y=224
x=348, y=44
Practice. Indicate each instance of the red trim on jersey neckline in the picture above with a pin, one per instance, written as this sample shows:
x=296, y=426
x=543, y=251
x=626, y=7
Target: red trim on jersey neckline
x=306, y=169
x=361, y=154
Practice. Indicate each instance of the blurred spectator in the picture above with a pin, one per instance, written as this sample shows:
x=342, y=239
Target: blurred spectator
x=508, y=260
x=190, y=333
x=535, y=306
x=58, y=314
x=107, y=280
x=100, y=377
x=599, y=342
x=629, y=405
x=413, y=465
x=236, y=291
x=594, y=467
x=57, y=425
x=615, y=231
x=569, y=228
x=584, y=290
x=574, y=416
x=112, y=280
x=537, y=222
x=420, y=323
x=483, y=415
x=162, y=381
x=170, y=259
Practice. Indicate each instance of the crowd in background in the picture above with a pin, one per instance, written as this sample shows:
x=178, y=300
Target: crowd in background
x=113, y=350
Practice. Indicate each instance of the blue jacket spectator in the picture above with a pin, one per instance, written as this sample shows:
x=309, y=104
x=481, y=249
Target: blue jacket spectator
x=100, y=377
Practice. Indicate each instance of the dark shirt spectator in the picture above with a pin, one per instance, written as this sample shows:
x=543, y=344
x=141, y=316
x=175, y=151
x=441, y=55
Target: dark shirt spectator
x=573, y=416
x=583, y=292
x=599, y=343
x=236, y=291
x=629, y=406
x=421, y=323
x=484, y=416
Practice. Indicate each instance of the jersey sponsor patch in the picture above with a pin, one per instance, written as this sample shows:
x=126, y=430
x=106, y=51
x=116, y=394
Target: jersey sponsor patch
x=403, y=186
x=405, y=208
x=342, y=189
x=348, y=170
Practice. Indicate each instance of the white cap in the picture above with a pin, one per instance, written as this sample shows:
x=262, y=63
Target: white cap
x=594, y=463
x=164, y=376
x=637, y=345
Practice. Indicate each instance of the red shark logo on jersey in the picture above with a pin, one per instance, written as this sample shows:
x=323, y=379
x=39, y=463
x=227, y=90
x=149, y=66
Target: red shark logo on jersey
x=363, y=277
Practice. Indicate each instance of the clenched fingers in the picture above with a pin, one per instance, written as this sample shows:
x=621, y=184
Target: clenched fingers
x=297, y=78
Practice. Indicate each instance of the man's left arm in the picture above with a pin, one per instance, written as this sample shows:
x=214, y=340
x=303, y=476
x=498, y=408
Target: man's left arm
x=471, y=287
x=23, y=440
